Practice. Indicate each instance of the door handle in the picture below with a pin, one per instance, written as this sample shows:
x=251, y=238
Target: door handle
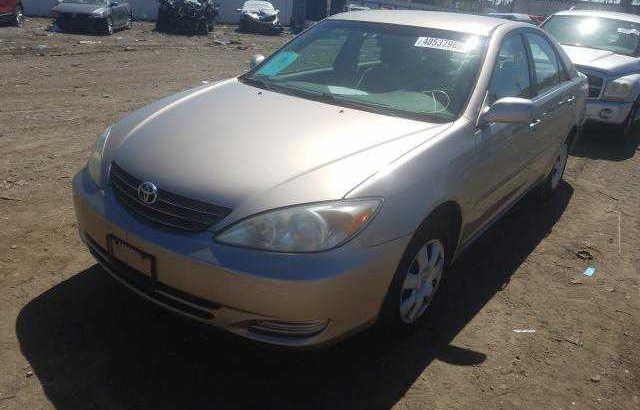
x=567, y=101
x=534, y=124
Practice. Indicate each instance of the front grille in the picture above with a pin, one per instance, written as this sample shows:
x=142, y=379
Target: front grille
x=69, y=21
x=596, y=85
x=169, y=209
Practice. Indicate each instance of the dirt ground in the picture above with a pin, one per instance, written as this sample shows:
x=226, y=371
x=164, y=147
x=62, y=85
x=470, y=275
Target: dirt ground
x=70, y=337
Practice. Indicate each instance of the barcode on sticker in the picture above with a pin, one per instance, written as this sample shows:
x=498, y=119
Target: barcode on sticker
x=629, y=31
x=441, y=44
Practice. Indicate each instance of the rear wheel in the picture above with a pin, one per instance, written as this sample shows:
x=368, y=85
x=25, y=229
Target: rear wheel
x=552, y=182
x=417, y=278
x=18, y=16
x=129, y=23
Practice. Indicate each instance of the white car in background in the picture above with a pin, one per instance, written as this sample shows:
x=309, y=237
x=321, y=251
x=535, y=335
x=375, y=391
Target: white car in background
x=605, y=46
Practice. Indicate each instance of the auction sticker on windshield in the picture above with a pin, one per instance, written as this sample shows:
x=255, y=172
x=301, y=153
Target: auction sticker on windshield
x=442, y=44
x=278, y=63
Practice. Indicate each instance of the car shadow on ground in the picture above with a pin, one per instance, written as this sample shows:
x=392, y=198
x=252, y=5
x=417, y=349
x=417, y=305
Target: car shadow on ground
x=93, y=344
x=601, y=142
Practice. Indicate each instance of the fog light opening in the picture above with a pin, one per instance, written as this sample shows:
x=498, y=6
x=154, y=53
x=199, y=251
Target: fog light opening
x=288, y=329
x=606, y=113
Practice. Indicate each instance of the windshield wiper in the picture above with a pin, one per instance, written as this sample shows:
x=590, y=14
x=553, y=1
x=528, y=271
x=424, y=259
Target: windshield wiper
x=332, y=98
x=258, y=82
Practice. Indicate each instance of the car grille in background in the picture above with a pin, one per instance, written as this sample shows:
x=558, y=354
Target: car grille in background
x=169, y=209
x=596, y=85
x=72, y=21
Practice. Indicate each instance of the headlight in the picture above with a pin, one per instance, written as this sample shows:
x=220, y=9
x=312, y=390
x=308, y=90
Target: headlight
x=95, y=160
x=306, y=228
x=97, y=13
x=620, y=89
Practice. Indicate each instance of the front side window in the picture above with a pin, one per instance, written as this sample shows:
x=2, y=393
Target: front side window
x=511, y=73
x=412, y=72
x=617, y=36
x=545, y=62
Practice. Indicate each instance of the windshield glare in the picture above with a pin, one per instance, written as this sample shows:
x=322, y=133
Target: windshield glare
x=618, y=36
x=404, y=71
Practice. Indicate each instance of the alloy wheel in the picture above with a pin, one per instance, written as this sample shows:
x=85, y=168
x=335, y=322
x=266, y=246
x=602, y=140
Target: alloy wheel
x=421, y=281
x=19, y=19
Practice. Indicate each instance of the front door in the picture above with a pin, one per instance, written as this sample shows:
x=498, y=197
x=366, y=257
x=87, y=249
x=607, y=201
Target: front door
x=500, y=162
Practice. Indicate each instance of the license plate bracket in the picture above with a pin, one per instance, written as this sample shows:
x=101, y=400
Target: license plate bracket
x=131, y=256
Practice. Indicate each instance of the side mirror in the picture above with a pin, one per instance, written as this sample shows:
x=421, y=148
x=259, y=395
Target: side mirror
x=238, y=10
x=508, y=110
x=256, y=59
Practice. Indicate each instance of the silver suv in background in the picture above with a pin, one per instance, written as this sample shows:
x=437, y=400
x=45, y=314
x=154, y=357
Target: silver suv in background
x=605, y=46
x=403, y=135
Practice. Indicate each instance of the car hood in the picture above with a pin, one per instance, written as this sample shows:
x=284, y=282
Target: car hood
x=602, y=60
x=233, y=145
x=78, y=8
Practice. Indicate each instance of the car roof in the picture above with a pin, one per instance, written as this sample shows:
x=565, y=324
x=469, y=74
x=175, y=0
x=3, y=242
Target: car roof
x=463, y=23
x=601, y=13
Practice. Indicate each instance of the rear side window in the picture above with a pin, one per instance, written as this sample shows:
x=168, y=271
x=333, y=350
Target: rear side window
x=510, y=76
x=545, y=62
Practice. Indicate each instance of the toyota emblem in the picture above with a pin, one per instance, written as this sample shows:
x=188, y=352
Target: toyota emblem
x=148, y=192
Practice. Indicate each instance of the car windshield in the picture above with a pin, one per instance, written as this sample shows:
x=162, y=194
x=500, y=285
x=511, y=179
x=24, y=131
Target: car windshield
x=419, y=73
x=617, y=36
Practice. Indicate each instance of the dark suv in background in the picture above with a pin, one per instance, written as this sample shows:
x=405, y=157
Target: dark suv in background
x=99, y=16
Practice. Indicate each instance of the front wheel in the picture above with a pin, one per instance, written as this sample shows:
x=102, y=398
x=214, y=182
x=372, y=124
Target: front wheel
x=626, y=129
x=18, y=16
x=417, y=279
x=108, y=27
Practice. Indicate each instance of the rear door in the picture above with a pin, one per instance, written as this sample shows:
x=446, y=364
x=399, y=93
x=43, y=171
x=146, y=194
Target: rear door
x=554, y=101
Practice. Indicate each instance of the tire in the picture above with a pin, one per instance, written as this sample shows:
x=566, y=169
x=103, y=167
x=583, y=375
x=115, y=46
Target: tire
x=202, y=29
x=108, y=27
x=161, y=23
x=18, y=16
x=129, y=23
x=551, y=183
x=625, y=130
x=417, y=277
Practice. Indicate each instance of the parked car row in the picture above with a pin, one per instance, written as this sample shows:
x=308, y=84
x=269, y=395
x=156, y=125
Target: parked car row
x=177, y=16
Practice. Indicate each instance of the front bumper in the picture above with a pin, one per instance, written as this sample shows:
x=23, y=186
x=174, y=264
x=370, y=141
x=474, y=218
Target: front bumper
x=284, y=299
x=80, y=22
x=608, y=112
x=251, y=24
